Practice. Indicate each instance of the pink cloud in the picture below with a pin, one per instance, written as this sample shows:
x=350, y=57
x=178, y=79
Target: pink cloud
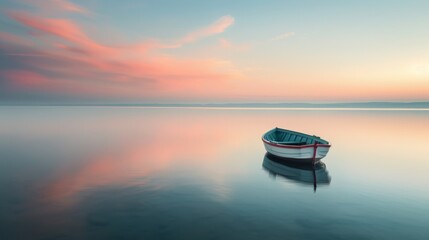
x=215, y=28
x=24, y=78
x=62, y=28
x=57, y=5
x=28, y=80
x=77, y=63
x=227, y=44
x=68, y=6
x=11, y=39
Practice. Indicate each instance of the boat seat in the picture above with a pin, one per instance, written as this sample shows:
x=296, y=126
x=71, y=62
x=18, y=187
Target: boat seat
x=292, y=143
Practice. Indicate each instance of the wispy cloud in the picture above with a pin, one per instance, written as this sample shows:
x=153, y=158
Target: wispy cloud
x=215, y=28
x=69, y=6
x=283, y=36
x=227, y=44
x=70, y=60
x=57, y=5
x=62, y=28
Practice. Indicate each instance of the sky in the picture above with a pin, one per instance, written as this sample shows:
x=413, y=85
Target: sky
x=138, y=51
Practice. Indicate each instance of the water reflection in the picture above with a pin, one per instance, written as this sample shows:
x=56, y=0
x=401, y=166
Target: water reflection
x=143, y=173
x=303, y=173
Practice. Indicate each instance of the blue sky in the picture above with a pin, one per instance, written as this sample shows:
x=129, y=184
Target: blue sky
x=214, y=51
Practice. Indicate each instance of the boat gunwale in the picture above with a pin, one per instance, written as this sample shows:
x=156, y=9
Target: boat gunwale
x=294, y=146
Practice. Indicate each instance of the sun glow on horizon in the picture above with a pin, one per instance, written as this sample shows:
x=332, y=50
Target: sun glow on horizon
x=62, y=50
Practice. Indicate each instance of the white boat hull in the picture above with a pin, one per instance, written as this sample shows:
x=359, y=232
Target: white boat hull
x=298, y=153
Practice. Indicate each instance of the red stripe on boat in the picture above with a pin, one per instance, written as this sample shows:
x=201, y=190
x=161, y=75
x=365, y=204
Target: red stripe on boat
x=292, y=146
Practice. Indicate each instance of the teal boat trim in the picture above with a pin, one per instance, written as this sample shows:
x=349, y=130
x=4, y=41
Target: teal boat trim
x=290, y=139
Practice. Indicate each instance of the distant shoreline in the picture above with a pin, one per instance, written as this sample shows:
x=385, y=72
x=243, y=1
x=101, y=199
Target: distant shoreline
x=345, y=106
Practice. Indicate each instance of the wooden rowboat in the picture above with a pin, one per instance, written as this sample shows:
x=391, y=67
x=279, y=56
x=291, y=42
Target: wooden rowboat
x=295, y=145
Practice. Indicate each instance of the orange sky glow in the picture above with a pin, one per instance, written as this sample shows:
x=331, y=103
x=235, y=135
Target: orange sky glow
x=66, y=48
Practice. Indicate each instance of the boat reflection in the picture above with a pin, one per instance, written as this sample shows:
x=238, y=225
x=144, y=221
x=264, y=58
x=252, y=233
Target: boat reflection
x=307, y=174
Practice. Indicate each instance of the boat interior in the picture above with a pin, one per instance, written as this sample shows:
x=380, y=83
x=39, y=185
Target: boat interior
x=286, y=137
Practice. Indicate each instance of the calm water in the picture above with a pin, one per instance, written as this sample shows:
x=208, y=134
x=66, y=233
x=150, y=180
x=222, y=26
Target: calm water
x=183, y=173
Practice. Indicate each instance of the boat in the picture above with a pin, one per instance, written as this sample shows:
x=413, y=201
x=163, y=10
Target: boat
x=295, y=146
x=302, y=173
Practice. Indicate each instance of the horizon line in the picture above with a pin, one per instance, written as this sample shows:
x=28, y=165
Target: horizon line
x=297, y=105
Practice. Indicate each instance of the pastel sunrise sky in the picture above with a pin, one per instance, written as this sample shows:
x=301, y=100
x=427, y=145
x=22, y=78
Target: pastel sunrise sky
x=142, y=51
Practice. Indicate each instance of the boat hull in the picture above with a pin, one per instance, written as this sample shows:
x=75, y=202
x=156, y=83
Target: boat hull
x=304, y=153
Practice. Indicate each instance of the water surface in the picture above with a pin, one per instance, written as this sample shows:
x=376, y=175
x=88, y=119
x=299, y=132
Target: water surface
x=197, y=173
